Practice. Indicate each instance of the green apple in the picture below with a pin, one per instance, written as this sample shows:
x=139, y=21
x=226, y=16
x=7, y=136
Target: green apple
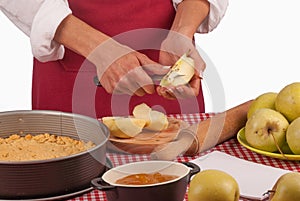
x=180, y=73
x=266, y=100
x=293, y=136
x=287, y=188
x=213, y=185
x=266, y=129
x=155, y=120
x=288, y=101
x=286, y=148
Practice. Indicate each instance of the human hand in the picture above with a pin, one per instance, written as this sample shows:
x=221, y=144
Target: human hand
x=174, y=46
x=182, y=91
x=122, y=70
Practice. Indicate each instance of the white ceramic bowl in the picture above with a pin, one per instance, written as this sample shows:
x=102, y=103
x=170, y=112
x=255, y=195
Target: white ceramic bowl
x=173, y=190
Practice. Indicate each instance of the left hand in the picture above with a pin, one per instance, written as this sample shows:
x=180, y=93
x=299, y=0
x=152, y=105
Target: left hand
x=172, y=48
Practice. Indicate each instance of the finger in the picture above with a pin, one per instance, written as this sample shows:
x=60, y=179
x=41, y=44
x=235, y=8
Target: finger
x=108, y=84
x=127, y=85
x=134, y=85
x=139, y=82
x=195, y=84
x=147, y=88
x=140, y=92
x=200, y=64
x=110, y=78
x=190, y=90
x=158, y=90
x=152, y=67
x=142, y=80
x=167, y=58
x=182, y=92
x=167, y=93
x=156, y=69
x=123, y=90
x=170, y=95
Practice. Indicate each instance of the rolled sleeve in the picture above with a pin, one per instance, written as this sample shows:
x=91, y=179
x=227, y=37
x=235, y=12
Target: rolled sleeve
x=216, y=13
x=43, y=29
x=39, y=20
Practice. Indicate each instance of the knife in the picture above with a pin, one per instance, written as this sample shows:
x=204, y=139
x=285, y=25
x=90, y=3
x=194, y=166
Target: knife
x=156, y=79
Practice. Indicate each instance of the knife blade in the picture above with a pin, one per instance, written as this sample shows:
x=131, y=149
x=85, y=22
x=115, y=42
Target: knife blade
x=155, y=78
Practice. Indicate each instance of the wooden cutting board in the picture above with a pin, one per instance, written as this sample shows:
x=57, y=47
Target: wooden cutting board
x=147, y=141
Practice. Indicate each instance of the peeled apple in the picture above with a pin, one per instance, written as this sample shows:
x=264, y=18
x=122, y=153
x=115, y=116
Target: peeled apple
x=124, y=127
x=180, y=73
x=155, y=120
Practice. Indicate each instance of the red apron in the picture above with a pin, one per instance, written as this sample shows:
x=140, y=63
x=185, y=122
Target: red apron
x=67, y=85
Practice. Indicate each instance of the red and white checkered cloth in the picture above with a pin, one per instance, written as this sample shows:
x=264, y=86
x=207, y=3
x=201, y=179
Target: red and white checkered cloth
x=231, y=147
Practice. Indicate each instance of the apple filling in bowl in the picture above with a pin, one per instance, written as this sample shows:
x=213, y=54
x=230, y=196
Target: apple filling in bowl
x=40, y=147
x=145, y=179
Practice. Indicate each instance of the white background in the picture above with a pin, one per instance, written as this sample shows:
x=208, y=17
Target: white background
x=255, y=49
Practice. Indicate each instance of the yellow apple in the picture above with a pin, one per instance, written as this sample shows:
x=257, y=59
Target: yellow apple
x=213, y=185
x=155, y=120
x=180, y=73
x=287, y=188
x=266, y=129
x=265, y=100
x=293, y=136
x=288, y=101
x=124, y=127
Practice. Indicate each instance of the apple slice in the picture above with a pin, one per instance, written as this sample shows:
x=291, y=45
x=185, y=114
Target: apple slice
x=142, y=111
x=124, y=127
x=156, y=121
x=180, y=73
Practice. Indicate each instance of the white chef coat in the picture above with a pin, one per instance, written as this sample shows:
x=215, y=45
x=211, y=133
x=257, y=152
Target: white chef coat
x=39, y=20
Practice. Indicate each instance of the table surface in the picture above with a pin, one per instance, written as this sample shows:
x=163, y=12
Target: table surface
x=231, y=147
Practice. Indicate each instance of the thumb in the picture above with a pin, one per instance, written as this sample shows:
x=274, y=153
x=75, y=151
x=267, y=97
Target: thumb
x=152, y=67
x=156, y=69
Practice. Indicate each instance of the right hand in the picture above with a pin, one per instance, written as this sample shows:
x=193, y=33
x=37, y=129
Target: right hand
x=170, y=52
x=125, y=71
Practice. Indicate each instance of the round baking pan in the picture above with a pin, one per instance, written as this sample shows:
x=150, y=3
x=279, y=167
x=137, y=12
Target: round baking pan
x=52, y=177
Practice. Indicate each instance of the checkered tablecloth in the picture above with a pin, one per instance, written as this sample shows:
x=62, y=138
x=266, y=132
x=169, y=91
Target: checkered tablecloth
x=231, y=147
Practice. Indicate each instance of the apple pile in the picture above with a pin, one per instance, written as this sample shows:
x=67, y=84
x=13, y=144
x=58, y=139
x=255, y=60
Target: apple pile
x=143, y=118
x=273, y=122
